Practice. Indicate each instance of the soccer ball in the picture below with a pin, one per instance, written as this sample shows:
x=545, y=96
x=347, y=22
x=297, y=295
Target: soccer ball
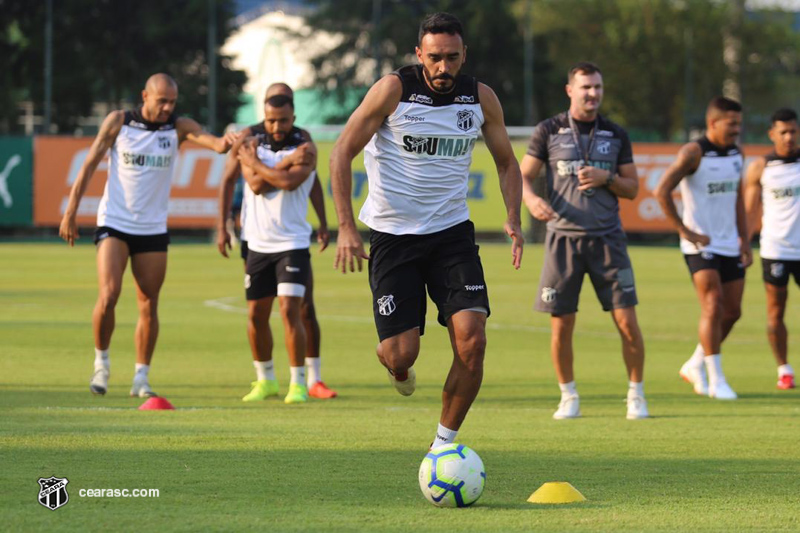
x=452, y=475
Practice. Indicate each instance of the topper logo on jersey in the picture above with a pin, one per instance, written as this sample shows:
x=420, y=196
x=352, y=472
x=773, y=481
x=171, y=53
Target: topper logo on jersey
x=465, y=119
x=420, y=99
x=438, y=146
x=386, y=305
x=464, y=100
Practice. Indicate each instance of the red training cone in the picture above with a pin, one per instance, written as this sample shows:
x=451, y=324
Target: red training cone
x=156, y=403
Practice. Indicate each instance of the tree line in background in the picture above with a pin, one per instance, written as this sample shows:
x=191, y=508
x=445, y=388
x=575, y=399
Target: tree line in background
x=104, y=50
x=662, y=59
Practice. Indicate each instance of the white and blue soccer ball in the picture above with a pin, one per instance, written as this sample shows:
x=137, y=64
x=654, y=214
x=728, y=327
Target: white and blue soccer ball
x=452, y=475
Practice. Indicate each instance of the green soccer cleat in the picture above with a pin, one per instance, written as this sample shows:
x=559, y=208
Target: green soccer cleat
x=262, y=389
x=297, y=394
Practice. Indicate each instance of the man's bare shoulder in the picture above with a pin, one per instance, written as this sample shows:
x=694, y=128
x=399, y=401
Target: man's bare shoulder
x=389, y=87
x=691, y=150
x=485, y=91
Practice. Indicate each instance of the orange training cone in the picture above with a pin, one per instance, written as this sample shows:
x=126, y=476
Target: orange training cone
x=156, y=403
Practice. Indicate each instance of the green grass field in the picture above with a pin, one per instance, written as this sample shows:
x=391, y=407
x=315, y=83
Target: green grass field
x=350, y=464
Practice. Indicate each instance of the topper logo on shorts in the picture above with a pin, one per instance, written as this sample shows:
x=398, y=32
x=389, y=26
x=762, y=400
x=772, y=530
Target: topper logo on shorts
x=386, y=305
x=474, y=287
x=53, y=492
x=549, y=294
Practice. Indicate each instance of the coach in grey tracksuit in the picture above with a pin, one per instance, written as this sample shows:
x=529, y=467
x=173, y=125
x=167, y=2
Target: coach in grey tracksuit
x=589, y=165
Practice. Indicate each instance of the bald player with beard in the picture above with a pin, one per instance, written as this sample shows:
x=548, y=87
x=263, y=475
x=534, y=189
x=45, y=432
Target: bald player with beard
x=132, y=216
x=266, y=383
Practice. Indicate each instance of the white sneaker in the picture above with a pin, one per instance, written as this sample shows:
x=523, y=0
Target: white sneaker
x=141, y=388
x=696, y=376
x=721, y=390
x=568, y=407
x=99, y=382
x=407, y=387
x=637, y=407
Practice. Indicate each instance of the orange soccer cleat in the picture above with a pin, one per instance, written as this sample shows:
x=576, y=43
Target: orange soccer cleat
x=786, y=382
x=321, y=391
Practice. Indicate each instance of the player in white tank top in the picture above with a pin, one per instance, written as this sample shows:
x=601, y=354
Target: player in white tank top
x=714, y=237
x=417, y=186
x=133, y=215
x=305, y=153
x=773, y=196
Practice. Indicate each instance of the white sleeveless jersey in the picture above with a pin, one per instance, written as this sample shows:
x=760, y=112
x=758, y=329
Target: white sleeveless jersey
x=276, y=218
x=418, y=161
x=142, y=159
x=709, y=199
x=780, y=196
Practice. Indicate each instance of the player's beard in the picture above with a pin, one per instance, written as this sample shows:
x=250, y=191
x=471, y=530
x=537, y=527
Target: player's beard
x=445, y=76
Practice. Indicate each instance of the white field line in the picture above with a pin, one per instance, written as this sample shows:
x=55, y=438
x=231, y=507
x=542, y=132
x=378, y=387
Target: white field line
x=224, y=305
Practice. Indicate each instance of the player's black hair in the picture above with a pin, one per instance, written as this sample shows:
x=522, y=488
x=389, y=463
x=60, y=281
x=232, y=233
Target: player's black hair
x=584, y=67
x=722, y=104
x=783, y=114
x=440, y=23
x=279, y=100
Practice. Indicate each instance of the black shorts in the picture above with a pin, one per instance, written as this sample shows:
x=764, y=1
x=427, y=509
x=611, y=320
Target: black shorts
x=243, y=249
x=278, y=274
x=569, y=258
x=402, y=266
x=729, y=268
x=777, y=271
x=137, y=244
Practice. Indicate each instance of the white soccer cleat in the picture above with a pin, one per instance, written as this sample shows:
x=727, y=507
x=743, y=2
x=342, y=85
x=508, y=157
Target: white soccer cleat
x=141, y=388
x=99, y=382
x=696, y=376
x=407, y=387
x=568, y=407
x=720, y=390
x=637, y=407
